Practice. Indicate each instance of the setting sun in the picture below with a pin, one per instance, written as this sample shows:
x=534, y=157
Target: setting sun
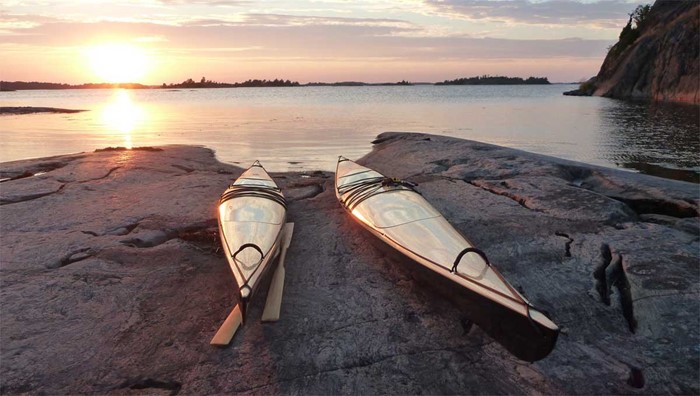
x=118, y=63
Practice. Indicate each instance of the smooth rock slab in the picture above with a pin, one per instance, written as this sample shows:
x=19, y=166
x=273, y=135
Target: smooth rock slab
x=115, y=283
x=602, y=266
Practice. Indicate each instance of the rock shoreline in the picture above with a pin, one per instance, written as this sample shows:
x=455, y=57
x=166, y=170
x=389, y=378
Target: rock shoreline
x=112, y=281
x=32, y=110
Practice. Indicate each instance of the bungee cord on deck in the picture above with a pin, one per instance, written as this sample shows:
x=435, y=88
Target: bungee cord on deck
x=362, y=189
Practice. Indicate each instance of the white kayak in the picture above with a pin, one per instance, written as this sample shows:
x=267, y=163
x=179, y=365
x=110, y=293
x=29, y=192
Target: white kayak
x=252, y=214
x=394, y=212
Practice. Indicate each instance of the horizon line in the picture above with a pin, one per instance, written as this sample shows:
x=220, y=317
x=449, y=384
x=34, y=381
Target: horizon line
x=400, y=82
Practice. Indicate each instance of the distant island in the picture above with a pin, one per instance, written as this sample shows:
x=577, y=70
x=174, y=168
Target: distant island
x=204, y=83
x=495, y=80
x=361, y=84
x=255, y=83
x=189, y=83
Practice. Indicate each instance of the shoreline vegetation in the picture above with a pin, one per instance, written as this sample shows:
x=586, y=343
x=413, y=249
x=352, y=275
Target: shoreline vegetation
x=496, y=80
x=6, y=86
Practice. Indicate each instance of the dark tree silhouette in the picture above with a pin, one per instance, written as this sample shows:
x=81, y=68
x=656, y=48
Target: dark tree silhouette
x=495, y=80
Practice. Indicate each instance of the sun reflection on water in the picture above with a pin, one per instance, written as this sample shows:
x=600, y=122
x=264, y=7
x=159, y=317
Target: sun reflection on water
x=123, y=115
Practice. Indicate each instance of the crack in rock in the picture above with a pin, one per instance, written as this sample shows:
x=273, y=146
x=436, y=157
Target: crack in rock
x=122, y=230
x=150, y=383
x=467, y=325
x=442, y=164
x=183, y=168
x=591, y=181
x=119, y=230
x=667, y=295
x=200, y=232
x=150, y=238
x=678, y=209
x=36, y=169
x=303, y=192
x=522, y=201
x=30, y=197
x=567, y=245
x=636, y=378
x=206, y=237
x=109, y=172
x=612, y=273
x=576, y=175
x=19, y=176
x=70, y=258
x=363, y=362
x=601, y=284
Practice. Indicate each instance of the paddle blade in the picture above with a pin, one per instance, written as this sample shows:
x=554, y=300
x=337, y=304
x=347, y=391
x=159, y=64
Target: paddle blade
x=274, y=294
x=228, y=328
x=288, y=231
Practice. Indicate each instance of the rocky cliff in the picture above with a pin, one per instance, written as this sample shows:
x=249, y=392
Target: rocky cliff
x=656, y=59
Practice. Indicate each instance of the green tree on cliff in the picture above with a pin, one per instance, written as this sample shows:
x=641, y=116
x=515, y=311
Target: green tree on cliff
x=631, y=31
x=639, y=16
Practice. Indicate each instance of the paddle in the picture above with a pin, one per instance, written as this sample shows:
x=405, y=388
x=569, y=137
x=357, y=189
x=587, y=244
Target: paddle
x=271, y=313
x=228, y=328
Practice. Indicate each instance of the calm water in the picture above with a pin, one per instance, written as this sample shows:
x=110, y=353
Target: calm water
x=305, y=128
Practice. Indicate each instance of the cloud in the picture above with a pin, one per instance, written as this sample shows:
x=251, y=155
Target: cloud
x=151, y=39
x=18, y=22
x=602, y=14
x=289, y=20
x=223, y=44
x=222, y=3
x=280, y=20
x=307, y=37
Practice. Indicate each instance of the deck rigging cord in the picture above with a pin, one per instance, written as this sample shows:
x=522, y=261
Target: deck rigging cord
x=237, y=191
x=360, y=190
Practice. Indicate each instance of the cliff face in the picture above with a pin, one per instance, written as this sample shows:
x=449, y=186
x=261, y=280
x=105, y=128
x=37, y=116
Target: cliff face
x=662, y=64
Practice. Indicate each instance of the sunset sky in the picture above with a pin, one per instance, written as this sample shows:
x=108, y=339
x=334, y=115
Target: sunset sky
x=157, y=41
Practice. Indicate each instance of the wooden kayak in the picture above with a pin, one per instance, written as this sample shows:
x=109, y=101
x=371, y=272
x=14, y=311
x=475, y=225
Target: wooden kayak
x=252, y=214
x=394, y=212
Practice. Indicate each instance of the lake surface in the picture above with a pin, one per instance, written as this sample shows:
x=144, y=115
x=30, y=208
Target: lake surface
x=306, y=128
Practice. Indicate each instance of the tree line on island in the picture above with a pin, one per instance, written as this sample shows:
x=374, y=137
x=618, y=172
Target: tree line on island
x=205, y=83
x=496, y=80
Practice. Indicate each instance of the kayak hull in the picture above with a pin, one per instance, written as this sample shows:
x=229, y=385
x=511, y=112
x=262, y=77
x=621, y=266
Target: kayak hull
x=512, y=330
x=408, y=224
